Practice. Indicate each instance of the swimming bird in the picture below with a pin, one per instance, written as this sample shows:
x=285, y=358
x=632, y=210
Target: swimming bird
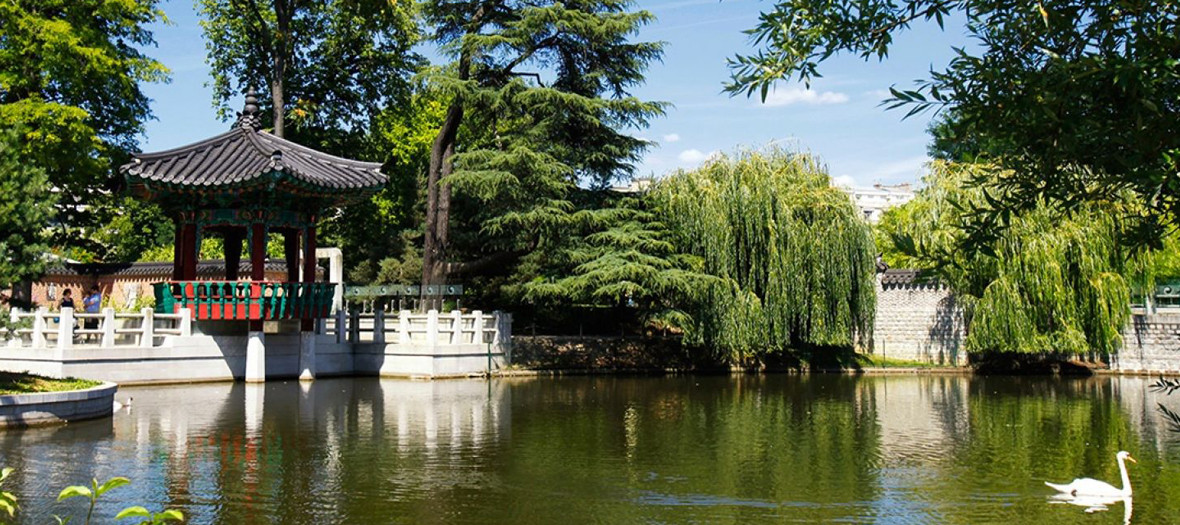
x=119, y=406
x=1093, y=487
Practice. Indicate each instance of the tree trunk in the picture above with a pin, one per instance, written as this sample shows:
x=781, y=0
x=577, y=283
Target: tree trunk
x=438, y=195
x=283, y=25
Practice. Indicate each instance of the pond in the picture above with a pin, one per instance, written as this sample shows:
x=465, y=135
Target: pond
x=688, y=449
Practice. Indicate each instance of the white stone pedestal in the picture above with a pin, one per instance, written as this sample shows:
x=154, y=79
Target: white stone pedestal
x=256, y=357
x=307, y=356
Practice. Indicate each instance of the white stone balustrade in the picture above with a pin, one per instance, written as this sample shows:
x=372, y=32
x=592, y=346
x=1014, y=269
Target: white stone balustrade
x=67, y=329
x=430, y=328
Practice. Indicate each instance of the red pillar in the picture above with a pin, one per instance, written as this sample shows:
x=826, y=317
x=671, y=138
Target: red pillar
x=309, y=267
x=178, y=252
x=190, y=252
x=257, y=261
x=257, y=251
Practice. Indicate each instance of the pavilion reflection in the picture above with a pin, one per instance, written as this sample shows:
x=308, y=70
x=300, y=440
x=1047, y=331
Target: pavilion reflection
x=257, y=441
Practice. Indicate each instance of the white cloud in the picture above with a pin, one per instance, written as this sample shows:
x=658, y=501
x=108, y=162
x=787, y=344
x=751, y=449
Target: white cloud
x=694, y=156
x=803, y=96
x=671, y=137
x=845, y=181
x=878, y=94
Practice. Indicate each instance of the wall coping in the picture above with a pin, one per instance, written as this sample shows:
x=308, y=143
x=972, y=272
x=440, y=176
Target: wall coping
x=44, y=408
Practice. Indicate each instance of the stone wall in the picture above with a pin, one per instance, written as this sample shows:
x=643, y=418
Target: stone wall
x=1151, y=343
x=652, y=354
x=917, y=321
x=22, y=410
x=922, y=321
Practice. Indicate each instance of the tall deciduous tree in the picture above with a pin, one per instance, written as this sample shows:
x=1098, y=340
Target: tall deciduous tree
x=793, y=258
x=326, y=64
x=1051, y=283
x=1079, y=99
x=70, y=76
x=26, y=205
x=539, y=102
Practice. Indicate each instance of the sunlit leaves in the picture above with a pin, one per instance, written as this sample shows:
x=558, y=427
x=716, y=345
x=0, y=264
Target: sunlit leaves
x=1078, y=100
x=1049, y=281
x=339, y=62
x=793, y=258
x=26, y=206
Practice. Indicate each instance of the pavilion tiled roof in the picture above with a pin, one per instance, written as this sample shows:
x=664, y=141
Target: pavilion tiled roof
x=246, y=153
x=208, y=267
x=242, y=155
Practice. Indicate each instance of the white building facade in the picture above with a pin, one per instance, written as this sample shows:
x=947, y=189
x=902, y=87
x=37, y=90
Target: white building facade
x=873, y=201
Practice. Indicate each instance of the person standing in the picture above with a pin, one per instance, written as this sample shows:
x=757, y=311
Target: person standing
x=91, y=303
x=67, y=299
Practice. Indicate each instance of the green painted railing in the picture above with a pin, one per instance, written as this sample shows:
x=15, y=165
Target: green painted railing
x=246, y=300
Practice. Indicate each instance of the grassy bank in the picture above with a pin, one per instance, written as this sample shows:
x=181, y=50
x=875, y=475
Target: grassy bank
x=21, y=383
x=876, y=361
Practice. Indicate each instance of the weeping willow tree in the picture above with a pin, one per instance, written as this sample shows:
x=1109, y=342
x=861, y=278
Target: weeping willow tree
x=792, y=259
x=1051, y=282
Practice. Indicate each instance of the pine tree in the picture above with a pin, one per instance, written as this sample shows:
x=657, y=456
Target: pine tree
x=538, y=103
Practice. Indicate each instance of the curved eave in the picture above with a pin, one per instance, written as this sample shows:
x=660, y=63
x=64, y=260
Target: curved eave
x=246, y=158
x=282, y=182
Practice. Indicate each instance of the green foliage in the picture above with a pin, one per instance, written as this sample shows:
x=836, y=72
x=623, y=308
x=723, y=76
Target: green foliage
x=622, y=257
x=95, y=491
x=133, y=228
x=1165, y=260
x=334, y=63
x=793, y=259
x=383, y=229
x=539, y=101
x=1052, y=282
x=70, y=75
x=150, y=518
x=7, y=499
x=211, y=248
x=26, y=206
x=1077, y=99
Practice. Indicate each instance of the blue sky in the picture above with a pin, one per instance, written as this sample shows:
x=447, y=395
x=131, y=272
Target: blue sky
x=839, y=119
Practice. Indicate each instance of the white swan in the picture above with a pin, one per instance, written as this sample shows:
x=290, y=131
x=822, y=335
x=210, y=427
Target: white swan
x=1093, y=487
x=119, y=406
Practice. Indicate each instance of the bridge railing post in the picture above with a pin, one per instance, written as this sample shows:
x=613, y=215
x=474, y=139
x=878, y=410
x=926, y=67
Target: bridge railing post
x=403, y=327
x=354, y=325
x=186, y=322
x=40, y=324
x=341, y=319
x=108, y=327
x=477, y=336
x=379, y=326
x=456, y=327
x=65, y=329
x=147, y=338
x=432, y=328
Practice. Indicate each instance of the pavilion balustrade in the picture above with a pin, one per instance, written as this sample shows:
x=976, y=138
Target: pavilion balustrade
x=246, y=300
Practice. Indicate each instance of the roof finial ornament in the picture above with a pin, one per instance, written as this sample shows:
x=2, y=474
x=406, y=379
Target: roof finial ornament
x=248, y=117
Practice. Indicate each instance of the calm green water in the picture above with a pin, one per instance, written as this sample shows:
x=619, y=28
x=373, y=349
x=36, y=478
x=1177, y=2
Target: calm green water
x=897, y=449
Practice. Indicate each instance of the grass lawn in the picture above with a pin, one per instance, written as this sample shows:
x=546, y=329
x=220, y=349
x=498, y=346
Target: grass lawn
x=19, y=383
x=876, y=361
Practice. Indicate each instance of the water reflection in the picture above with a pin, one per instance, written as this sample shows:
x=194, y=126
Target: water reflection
x=1093, y=504
x=905, y=449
